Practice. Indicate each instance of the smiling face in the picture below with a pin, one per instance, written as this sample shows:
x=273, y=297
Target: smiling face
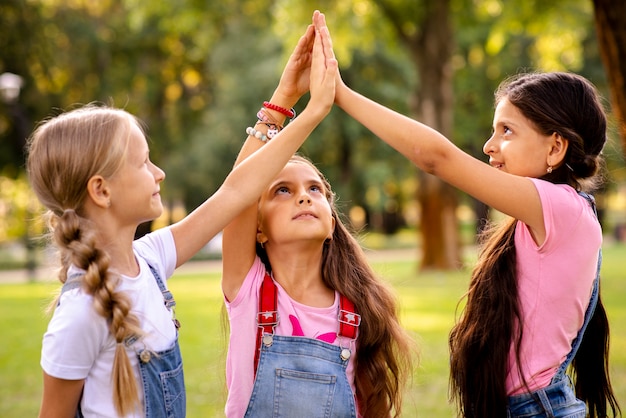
x=135, y=188
x=516, y=146
x=295, y=207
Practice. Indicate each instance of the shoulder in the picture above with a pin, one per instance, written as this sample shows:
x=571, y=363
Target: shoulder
x=249, y=289
x=75, y=336
x=561, y=198
x=158, y=250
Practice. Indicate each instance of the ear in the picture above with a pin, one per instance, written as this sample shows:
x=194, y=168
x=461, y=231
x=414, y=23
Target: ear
x=332, y=230
x=99, y=192
x=261, y=238
x=558, y=150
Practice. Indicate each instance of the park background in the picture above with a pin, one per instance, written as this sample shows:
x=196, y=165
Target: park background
x=197, y=71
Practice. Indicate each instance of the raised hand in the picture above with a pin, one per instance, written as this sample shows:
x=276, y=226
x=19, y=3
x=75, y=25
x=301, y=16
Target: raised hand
x=319, y=21
x=323, y=65
x=294, y=81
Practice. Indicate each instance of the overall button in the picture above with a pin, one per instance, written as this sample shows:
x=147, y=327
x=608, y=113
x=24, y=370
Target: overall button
x=268, y=340
x=145, y=356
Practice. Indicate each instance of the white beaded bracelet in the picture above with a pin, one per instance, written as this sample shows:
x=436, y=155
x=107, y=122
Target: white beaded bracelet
x=257, y=134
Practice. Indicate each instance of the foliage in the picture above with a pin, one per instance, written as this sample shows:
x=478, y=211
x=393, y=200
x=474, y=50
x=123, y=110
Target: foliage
x=196, y=73
x=17, y=202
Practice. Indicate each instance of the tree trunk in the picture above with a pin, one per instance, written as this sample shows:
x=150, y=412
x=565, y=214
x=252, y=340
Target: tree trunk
x=428, y=37
x=610, y=19
x=433, y=105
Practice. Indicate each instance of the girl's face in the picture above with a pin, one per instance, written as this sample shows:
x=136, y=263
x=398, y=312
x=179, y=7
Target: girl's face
x=516, y=146
x=294, y=207
x=135, y=188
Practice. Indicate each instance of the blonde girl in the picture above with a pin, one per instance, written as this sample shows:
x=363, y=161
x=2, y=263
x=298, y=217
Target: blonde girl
x=111, y=348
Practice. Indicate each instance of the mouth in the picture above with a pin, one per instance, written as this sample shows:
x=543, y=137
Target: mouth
x=496, y=164
x=305, y=215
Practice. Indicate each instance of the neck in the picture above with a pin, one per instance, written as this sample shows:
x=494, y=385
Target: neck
x=300, y=274
x=119, y=246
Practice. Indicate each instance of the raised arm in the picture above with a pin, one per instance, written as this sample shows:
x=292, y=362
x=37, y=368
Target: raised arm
x=239, y=237
x=247, y=181
x=435, y=154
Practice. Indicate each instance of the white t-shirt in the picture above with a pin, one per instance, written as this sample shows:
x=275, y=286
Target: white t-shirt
x=78, y=345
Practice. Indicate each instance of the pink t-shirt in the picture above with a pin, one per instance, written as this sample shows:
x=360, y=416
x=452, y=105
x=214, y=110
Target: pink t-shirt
x=295, y=320
x=554, y=283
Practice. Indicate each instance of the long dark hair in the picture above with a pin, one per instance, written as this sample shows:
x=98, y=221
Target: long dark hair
x=384, y=348
x=490, y=323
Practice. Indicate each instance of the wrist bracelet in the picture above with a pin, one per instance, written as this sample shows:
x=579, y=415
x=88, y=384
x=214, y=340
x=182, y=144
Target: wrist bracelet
x=290, y=113
x=272, y=128
x=264, y=117
x=257, y=134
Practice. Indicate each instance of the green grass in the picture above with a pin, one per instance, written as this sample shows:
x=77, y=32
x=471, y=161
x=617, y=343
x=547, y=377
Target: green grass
x=428, y=302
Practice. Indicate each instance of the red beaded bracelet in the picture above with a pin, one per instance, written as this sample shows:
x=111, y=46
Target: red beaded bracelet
x=290, y=113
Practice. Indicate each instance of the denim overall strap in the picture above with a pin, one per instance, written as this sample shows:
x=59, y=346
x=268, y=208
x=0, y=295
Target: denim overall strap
x=162, y=372
x=560, y=373
x=168, y=298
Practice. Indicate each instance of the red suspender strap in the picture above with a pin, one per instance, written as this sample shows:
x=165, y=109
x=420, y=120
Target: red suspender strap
x=349, y=320
x=267, y=315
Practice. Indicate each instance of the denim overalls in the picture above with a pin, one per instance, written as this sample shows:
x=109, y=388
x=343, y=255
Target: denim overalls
x=558, y=400
x=301, y=377
x=161, y=372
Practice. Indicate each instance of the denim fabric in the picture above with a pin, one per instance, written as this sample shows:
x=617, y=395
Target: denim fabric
x=557, y=400
x=163, y=383
x=301, y=377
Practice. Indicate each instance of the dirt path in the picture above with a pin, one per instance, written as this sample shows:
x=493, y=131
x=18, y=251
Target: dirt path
x=45, y=273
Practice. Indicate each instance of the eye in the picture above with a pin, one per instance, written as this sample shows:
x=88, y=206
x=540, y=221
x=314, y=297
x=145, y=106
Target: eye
x=316, y=188
x=507, y=130
x=282, y=190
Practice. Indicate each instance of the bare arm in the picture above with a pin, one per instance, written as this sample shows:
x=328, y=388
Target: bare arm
x=435, y=154
x=60, y=397
x=239, y=237
x=247, y=181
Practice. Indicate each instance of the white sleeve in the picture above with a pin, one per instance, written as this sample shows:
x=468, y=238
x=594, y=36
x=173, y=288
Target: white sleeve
x=75, y=336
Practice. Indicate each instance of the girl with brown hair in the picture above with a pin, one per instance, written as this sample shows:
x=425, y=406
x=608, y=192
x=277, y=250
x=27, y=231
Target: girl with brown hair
x=329, y=342
x=534, y=292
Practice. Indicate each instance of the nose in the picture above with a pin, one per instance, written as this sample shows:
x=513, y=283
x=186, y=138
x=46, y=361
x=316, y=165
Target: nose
x=490, y=145
x=159, y=175
x=304, y=198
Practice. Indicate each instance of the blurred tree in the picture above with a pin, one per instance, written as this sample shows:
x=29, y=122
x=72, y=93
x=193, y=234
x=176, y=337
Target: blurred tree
x=197, y=72
x=610, y=19
x=456, y=46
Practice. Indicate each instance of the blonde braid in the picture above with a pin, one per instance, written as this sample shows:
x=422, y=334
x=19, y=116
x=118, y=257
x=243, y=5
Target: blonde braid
x=64, y=153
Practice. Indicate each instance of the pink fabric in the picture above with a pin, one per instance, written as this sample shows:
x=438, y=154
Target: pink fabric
x=555, y=282
x=295, y=320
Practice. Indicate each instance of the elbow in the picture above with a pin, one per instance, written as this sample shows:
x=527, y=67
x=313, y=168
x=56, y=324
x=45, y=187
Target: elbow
x=429, y=161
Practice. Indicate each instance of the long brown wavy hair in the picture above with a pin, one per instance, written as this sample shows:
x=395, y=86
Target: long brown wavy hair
x=64, y=152
x=384, y=349
x=490, y=323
